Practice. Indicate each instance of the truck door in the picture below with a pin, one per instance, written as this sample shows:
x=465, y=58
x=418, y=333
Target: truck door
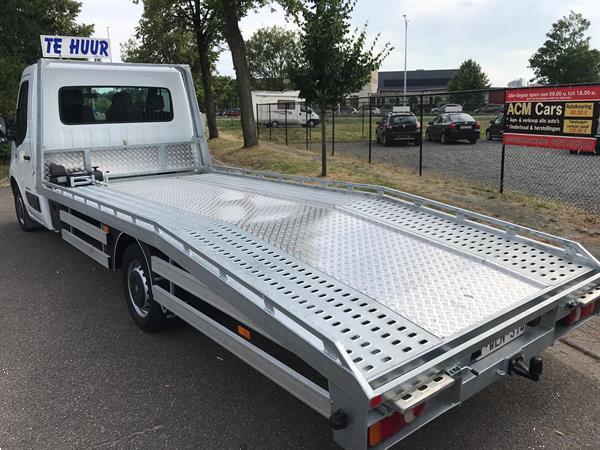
x=23, y=161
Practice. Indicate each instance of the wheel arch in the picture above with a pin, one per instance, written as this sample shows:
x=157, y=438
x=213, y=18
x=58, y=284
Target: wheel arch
x=122, y=242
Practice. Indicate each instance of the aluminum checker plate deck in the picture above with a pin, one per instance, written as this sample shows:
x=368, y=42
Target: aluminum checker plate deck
x=387, y=280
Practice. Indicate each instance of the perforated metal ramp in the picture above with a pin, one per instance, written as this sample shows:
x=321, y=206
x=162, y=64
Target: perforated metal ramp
x=388, y=280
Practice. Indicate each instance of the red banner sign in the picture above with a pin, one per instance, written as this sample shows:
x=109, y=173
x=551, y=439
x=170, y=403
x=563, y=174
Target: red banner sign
x=564, y=118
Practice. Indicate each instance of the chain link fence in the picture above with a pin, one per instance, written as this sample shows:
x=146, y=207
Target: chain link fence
x=451, y=135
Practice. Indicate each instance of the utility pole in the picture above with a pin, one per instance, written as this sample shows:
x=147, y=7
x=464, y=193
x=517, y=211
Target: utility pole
x=405, y=48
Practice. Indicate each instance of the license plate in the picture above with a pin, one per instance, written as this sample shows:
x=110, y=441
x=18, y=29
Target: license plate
x=502, y=341
x=465, y=127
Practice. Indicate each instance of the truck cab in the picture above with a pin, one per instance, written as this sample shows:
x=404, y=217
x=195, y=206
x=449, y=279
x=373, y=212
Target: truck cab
x=93, y=106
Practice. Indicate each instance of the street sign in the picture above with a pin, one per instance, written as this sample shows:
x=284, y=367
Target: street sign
x=75, y=47
x=564, y=118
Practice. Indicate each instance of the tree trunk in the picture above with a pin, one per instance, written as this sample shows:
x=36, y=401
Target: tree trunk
x=237, y=46
x=209, y=103
x=323, y=142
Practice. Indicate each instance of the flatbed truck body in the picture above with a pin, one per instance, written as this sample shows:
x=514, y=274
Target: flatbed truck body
x=391, y=308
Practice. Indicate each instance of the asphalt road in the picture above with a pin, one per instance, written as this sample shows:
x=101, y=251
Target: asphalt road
x=553, y=174
x=76, y=372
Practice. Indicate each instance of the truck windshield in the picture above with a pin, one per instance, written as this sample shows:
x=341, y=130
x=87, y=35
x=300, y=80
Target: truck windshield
x=114, y=104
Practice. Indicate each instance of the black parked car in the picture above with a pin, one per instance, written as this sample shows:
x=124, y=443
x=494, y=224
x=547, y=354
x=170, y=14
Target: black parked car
x=398, y=127
x=495, y=130
x=451, y=127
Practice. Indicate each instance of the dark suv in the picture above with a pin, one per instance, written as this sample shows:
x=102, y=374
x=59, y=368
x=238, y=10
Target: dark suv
x=452, y=127
x=398, y=127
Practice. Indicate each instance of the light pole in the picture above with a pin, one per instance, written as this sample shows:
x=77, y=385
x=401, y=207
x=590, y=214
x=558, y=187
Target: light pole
x=405, y=47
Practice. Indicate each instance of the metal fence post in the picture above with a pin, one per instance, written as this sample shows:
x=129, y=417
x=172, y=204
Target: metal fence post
x=257, y=124
x=306, y=127
x=362, y=133
x=370, y=127
x=421, y=141
x=286, y=124
x=270, y=125
x=332, y=130
x=502, y=159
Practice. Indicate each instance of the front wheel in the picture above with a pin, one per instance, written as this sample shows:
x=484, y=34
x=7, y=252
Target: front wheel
x=137, y=284
x=26, y=223
x=386, y=141
x=311, y=123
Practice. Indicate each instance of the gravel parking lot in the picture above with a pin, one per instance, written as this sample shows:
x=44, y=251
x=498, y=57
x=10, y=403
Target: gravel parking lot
x=545, y=173
x=76, y=372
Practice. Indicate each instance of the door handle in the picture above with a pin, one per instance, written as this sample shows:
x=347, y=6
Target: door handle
x=27, y=157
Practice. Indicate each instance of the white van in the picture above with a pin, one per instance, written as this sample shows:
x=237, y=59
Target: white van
x=282, y=108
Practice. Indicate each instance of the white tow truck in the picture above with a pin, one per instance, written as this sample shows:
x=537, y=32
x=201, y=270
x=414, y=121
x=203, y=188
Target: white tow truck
x=379, y=309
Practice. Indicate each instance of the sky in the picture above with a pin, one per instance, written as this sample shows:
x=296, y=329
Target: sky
x=500, y=35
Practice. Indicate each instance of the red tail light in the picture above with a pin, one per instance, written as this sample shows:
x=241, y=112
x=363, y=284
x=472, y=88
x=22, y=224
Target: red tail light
x=375, y=401
x=579, y=313
x=418, y=125
x=382, y=430
x=477, y=125
x=452, y=125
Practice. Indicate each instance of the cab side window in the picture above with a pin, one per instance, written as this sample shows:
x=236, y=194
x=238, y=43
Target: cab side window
x=21, y=119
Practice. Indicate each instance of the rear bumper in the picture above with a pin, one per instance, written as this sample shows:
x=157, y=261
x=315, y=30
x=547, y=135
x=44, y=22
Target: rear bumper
x=403, y=135
x=477, y=375
x=463, y=134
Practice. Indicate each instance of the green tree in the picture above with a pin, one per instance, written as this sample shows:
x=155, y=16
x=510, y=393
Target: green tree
x=21, y=24
x=468, y=77
x=271, y=51
x=231, y=12
x=334, y=60
x=180, y=32
x=225, y=91
x=566, y=56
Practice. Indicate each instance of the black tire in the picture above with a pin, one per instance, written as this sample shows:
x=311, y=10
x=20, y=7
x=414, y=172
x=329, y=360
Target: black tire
x=472, y=141
x=385, y=142
x=310, y=123
x=417, y=141
x=488, y=135
x=377, y=138
x=427, y=136
x=26, y=223
x=137, y=286
x=274, y=124
x=444, y=139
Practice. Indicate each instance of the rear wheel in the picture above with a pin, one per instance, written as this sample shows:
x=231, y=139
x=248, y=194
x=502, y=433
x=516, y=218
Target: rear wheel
x=26, y=223
x=275, y=124
x=137, y=285
x=427, y=136
x=488, y=135
x=472, y=141
x=310, y=123
x=444, y=139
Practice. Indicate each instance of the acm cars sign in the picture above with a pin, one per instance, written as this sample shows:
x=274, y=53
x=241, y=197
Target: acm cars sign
x=564, y=118
x=75, y=47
